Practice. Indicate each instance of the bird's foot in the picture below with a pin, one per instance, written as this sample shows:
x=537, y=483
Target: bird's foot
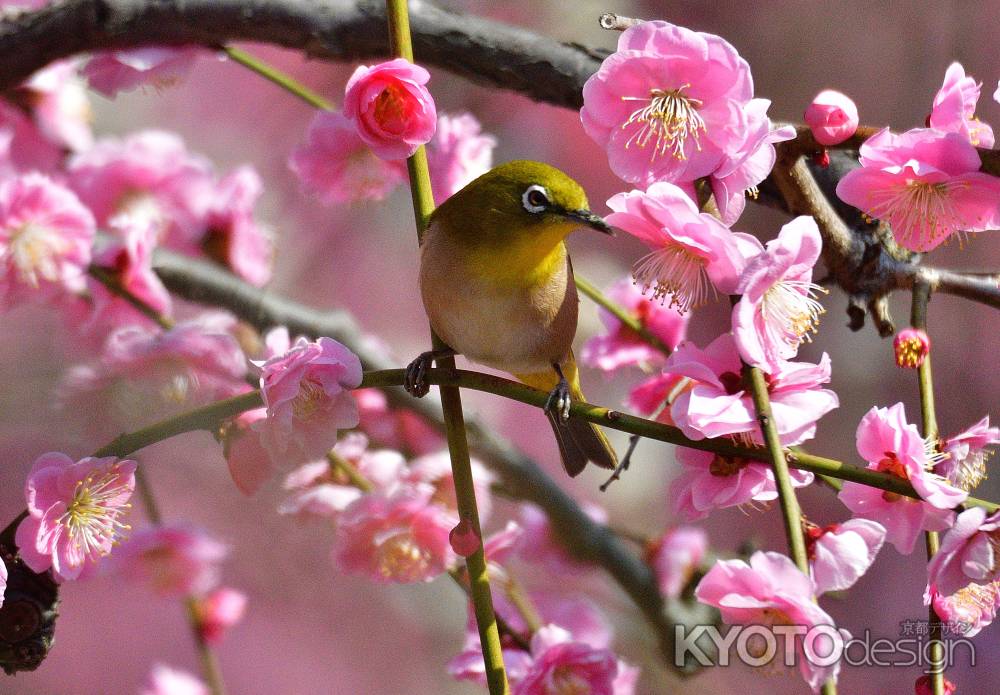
x=559, y=401
x=415, y=377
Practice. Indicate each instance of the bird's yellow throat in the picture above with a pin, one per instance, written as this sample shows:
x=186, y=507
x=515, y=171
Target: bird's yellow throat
x=525, y=260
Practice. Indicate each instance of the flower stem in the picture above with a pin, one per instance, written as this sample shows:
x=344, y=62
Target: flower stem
x=451, y=400
x=918, y=319
x=276, y=76
x=621, y=314
x=106, y=278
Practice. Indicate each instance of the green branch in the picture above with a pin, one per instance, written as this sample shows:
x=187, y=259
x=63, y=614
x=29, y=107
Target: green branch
x=276, y=76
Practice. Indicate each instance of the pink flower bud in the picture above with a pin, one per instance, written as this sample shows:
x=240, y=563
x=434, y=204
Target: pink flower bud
x=832, y=117
x=912, y=346
x=219, y=611
x=464, y=539
x=923, y=686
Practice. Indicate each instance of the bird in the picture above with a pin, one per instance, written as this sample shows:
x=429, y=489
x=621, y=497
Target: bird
x=497, y=285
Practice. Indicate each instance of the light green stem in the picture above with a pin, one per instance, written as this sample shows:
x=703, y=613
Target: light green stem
x=106, y=278
x=451, y=401
x=279, y=78
x=620, y=313
x=918, y=319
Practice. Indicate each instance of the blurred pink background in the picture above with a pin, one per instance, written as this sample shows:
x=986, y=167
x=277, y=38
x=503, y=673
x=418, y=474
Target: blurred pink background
x=311, y=630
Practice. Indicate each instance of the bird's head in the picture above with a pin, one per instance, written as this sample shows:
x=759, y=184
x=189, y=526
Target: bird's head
x=520, y=202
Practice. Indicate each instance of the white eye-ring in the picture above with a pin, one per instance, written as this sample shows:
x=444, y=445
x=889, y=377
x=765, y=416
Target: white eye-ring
x=535, y=198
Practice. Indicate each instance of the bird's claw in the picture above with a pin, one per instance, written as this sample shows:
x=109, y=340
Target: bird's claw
x=559, y=401
x=415, y=376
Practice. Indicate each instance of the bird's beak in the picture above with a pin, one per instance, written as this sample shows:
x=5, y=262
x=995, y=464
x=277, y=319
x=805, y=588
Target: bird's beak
x=591, y=220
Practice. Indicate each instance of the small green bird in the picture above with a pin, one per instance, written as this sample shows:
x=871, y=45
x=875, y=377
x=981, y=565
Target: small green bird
x=498, y=287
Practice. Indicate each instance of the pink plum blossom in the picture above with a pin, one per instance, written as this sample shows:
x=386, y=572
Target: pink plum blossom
x=716, y=402
x=622, y=346
x=561, y=665
x=771, y=590
x=458, y=153
x=778, y=309
x=694, y=257
x=234, y=238
x=923, y=686
x=891, y=445
x=248, y=461
x=968, y=553
x=307, y=395
x=395, y=429
x=832, y=117
x=669, y=105
x=336, y=165
x=24, y=148
x=967, y=454
x=675, y=557
x=971, y=608
x=148, y=175
x=74, y=511
x=112, y=72
x=925, y=184
x=164, y=680
x=954, y=108
x=218, y=611
x=46, y=236
x=710, y=481
x=654, y=396
x=174, y=560
x=840, y=554
x=401, y=538
x=391, y=108
x=59, y=105
x=911, y=346
x=435, y=470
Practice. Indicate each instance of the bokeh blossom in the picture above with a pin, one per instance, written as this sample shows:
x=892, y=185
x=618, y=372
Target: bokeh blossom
x=778, y=309
x=622, y=346
x=540, y=544
x=966, y=455
x=337, y=166
x=717, y=403
x=233, y=237
x=954, y=108
x=832, y=117
x=395, y=428
x=676, y=556
x=434, y=470
x=111, y=72
x=173, y=560
x=164, y=680
x=840, y=554
x=307, y=395
x=75, y=511
x=925, y=184
x=669, y=104
x=891, y=445
x=218, y=611
x=561, y=665
x=458, y=153
x=46, y=236
x=771, y=590
x=694, y=257
x=59, y=105
x=391, y=108
x=248, y=461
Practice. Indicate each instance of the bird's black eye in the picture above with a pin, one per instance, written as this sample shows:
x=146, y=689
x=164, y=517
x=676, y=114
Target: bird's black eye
x=535, y=198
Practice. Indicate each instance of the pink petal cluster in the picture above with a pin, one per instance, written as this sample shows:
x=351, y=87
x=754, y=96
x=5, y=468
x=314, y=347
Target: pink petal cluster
x=391, y=108
x=434, y=470
x=622, y=346
x=840, y=554
x=59, y=105
x=149, y=175
x=771, y=590
x=46, y=236
x=248, y=461
x=112, y=72
x=395, y=429
x=716, y=402
x=655, y=395
x=218, y=611
x=832, y=117
x=458, y=153
x=174, y=560
x=968, y=554
x=925, y=184
x=891, y=445
x=307, y=395
x=966, y=455
x=923, y=686
x=778, y=308
x=676, y=556
x=954, y=108
x=669, y=104
x=337, y=166
x=401, y=538
x=562, y=665
x=164, y=680
x=711, y=481
x=74, y=512
x=969, y=609
x=694, y=257
x=233, y=237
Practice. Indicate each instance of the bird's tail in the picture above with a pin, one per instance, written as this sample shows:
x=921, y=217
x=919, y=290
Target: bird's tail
x=579, y=441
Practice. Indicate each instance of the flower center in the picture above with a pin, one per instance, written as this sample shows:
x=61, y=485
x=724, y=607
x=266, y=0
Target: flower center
x=399, y=557
x=974, y=599
x=565, y=681
x=970, y=471
x=918, y=210
x=34, y=250
x=92, y=518
x=392, y=109
x=673, y=270
x=669, y=119
x=791, y=311
x=724, y=466
x=309, y=399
